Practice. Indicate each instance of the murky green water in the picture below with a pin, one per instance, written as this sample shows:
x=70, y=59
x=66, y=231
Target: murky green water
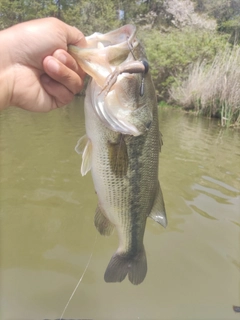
x=47, y=232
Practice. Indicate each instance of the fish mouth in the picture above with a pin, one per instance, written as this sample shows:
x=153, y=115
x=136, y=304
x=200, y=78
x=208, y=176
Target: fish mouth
x=117, y=108
x=104, y=52
x=122, y=36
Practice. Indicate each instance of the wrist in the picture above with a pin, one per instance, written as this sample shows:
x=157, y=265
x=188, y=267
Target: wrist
x=6, y=70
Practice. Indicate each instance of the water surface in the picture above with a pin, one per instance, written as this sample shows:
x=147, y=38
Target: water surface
x=47, y=232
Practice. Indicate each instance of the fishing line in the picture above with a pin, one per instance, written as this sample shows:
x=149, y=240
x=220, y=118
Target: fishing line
x=130, y=46
x=80, y=280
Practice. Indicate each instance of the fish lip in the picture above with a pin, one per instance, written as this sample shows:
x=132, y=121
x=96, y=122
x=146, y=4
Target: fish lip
x=106, y=48
x=126, y=32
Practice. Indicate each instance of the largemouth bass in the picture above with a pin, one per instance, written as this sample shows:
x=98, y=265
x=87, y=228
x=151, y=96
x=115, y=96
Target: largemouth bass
x=122, y=145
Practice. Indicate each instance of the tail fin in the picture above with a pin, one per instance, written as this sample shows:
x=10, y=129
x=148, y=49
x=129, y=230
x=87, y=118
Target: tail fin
x=122, y=264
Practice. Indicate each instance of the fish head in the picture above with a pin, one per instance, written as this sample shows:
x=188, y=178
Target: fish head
x=113, y=60
x=129, y=111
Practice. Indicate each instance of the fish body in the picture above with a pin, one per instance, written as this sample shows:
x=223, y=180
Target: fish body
x=121, y=148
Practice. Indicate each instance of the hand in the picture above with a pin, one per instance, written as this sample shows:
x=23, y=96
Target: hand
x=36, y=72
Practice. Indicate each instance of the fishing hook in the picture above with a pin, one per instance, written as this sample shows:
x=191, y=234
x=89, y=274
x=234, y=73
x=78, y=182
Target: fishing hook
x=146, y=68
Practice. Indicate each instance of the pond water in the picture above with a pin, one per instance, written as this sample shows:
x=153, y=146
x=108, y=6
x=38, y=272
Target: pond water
x=47, y=232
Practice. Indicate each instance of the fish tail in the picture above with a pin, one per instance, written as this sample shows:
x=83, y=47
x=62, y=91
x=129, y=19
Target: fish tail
x=122, y=264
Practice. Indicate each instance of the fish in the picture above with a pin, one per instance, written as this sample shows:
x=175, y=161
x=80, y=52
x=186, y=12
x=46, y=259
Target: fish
x=121, y=146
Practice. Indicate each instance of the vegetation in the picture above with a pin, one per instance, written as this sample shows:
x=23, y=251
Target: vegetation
x=192, y=45
x=213, y=90
x=226, y=13
x=88, y=16
x=170, y=54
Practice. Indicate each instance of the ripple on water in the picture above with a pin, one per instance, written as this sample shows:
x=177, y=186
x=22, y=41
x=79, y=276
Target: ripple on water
x=216, y=200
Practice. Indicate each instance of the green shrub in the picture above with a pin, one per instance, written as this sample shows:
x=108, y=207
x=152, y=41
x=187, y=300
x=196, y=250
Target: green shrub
x=170, y=54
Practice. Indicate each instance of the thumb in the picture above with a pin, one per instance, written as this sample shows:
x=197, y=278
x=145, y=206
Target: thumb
x=75, y=37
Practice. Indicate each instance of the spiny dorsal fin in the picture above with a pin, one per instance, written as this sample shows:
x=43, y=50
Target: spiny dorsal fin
x=158, y=212
x=103, y=225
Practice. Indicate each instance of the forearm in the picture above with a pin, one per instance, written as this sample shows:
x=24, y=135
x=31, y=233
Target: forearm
x=6, y=70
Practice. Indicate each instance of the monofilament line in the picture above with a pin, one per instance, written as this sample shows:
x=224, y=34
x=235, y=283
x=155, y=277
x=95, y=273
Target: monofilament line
x=80, y=280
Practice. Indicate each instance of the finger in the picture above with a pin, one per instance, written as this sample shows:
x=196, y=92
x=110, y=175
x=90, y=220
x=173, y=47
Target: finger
x=62, y=74
x=68, y=61
x=75, y=37
x=59, y=92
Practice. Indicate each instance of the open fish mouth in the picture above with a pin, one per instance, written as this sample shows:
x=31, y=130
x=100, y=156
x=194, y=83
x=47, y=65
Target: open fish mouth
x=121, y=38
x=117, y=79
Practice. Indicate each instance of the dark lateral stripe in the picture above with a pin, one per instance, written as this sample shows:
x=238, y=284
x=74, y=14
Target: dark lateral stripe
x=135, y=165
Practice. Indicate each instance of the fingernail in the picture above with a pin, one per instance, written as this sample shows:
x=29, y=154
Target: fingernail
x=52, y=66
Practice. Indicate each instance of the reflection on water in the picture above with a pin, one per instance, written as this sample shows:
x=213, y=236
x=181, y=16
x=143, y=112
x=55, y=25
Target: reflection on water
x=47, y=232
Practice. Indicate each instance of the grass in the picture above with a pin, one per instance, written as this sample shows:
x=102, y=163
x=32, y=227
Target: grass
x=213, y=90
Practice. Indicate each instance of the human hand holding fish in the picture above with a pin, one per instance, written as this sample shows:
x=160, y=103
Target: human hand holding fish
x=36, y=71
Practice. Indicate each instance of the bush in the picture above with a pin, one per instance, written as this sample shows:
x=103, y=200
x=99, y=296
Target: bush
x=170, y=54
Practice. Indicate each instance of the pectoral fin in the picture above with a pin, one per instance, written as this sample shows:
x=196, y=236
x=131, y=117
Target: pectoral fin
x=86, y=159
x=158, y=212
x=102, y=224
x=81, y=144
x=84, y=147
